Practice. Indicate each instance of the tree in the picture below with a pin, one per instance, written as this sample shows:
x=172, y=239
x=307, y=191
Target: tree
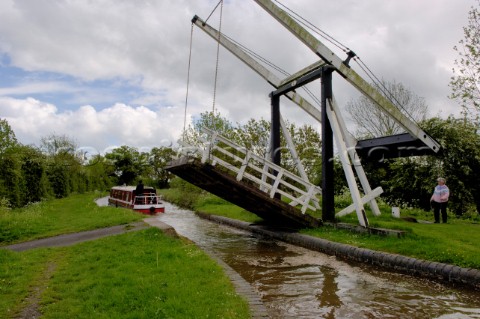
x=7, y=136
x=64, y=166
x=211, y=120
x=254, y=136
x=158, y=160
x=10, y=177
x=308, y=144
x=33, y=170
x=372, y=122
x=411, y=181
x=465, y=82
x=459, y=161
x=54, y=144
x=99, y=173
x=128, y=163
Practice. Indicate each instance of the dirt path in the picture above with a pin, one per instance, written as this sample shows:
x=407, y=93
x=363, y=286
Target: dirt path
x=30, y=304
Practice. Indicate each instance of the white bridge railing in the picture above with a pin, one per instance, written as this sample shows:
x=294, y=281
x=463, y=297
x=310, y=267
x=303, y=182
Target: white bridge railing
x=255, y=170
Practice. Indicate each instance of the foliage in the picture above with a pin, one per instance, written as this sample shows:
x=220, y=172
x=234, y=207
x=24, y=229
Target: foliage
x=56, y=169
x=99, y=173
x=459, y=161
x=465, y=82
x=182, y=193
x=372, y=122
x=129, y=164
x=10, y=179
x=34, y=174
x=7, y=136
x=57, y=145
x=254, y=136
x=214, y=121
x=410, y=181
x=158, y=160
x=308, y=146
x=63, y=165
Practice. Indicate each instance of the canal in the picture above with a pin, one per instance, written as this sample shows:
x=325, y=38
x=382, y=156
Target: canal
x=294, y=282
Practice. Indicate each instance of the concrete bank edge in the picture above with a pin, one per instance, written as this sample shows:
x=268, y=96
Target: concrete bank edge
x=467, y=277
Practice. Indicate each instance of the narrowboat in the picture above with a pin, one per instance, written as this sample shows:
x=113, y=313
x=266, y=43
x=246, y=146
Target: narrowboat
x=147, y=202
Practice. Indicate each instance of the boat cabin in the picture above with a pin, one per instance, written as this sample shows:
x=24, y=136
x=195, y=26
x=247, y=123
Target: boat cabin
x=147, y=202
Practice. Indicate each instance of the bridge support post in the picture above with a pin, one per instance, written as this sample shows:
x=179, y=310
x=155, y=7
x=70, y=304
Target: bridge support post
x=328, y=208
x=275, y=152
x=275, y=130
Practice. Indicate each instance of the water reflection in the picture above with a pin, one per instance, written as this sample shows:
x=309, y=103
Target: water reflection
x=294, y=282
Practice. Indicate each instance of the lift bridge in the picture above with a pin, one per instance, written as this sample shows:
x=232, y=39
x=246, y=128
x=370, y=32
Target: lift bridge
x=257, y=184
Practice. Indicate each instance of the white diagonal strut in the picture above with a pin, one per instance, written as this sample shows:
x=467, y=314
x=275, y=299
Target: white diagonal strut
x=347, y=167
x=350, y=142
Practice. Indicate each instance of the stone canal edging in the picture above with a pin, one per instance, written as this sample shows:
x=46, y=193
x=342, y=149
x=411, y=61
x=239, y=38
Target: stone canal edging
x=467, y=277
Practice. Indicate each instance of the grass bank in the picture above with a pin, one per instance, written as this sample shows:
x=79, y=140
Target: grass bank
x=453, y=243
x=143, y=274
x=207, y=203
x=75, y=213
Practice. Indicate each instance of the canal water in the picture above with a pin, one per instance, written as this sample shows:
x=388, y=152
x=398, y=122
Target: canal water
x=294, y=282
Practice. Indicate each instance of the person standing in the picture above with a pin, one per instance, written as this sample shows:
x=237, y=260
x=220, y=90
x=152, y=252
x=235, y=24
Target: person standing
x=439, y=200
x=139, y=189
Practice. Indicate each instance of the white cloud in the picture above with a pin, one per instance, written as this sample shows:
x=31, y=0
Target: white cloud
x=36, y=87
x=146, y=43
x=117, y=125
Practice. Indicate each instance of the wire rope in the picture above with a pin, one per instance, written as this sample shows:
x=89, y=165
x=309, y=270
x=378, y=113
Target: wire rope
x=382, y=88
x=314, y=28
x=188, y=85
x=260, y=58
x=378, y=83
x=221, y=1
x=217, y=60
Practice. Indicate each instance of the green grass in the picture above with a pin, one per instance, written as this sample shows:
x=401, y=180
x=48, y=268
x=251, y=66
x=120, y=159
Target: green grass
x=19, y=272
x=142, y=274
x=75, y=213
x=209, y=204
x=214, y=205
x=453, y=243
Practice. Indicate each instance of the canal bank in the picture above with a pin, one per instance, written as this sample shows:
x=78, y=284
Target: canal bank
x=457, y=276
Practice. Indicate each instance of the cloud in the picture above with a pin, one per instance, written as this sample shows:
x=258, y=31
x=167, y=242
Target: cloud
x=117, y=125
x=131, y=58
x=35, y=88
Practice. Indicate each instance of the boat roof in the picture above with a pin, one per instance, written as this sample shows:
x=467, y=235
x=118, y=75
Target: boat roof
x=131, y=188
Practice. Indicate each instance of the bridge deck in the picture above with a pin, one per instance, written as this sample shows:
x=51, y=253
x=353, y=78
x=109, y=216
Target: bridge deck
x=223, y=185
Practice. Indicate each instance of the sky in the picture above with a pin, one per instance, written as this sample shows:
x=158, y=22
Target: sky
x=108, y=73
